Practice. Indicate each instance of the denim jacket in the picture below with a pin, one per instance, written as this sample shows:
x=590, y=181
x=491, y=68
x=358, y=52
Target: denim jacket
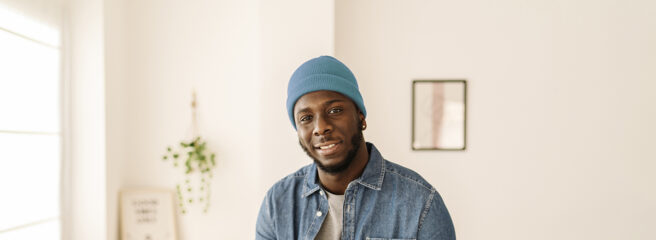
x=387, y=202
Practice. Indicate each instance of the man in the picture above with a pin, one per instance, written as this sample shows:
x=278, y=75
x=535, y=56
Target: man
x=350, y=191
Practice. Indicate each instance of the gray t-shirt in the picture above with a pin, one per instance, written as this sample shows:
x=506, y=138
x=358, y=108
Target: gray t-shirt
x=332, y=226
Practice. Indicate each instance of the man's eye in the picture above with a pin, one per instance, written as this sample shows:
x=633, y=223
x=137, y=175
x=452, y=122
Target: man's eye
x=335, y=110
x=305, y=118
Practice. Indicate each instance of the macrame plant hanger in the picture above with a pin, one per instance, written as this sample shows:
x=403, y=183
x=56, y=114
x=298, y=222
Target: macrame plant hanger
x=205, y=175
x=194, y=115
x=197, y=163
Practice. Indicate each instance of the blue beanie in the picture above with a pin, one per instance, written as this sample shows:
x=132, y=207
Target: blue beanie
x=322, y=73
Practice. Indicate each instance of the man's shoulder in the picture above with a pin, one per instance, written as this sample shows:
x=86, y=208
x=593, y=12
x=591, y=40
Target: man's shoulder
x=406, y=176
x=397, y=175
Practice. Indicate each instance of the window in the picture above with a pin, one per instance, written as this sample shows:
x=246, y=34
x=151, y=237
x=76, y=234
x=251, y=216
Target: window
x=30, y=127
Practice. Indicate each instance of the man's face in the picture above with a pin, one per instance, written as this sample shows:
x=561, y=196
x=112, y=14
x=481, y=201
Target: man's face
x=329, y=129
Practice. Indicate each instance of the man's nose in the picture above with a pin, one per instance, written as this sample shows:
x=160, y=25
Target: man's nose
x=322, y=126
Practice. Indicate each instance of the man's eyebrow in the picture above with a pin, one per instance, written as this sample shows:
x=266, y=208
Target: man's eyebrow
x=332, y=101
x=307, y=109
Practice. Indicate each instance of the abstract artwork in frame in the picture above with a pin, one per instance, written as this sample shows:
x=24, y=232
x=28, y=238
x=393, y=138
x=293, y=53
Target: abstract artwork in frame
x=439, y=114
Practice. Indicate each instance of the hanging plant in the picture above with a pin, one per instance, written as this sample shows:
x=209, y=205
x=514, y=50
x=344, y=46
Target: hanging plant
x=197, y=160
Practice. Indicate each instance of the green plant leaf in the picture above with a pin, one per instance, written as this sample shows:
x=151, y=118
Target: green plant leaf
x=188, y=165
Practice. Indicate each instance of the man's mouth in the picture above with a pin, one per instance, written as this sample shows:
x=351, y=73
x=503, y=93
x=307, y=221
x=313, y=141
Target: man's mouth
x=328, y=148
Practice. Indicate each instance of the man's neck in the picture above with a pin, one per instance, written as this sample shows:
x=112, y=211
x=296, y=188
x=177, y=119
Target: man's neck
x=336, y=183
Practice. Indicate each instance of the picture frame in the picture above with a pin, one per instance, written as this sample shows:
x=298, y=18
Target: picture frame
x=439, y=115
x=147, y=214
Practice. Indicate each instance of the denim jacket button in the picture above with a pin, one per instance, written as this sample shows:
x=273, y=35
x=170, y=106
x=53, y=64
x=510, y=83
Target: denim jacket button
x=319, y=213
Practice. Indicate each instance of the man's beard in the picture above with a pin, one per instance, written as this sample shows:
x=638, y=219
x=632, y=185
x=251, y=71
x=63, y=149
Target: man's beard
x=356, y=141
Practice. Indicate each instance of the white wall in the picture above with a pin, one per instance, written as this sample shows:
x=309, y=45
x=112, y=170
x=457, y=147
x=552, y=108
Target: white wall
x=117, y=122
x=560, y=109
x=83, y=213
x=171, y=48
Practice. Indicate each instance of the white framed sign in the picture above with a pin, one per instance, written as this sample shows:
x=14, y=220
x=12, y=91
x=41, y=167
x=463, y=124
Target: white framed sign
x=147, y=214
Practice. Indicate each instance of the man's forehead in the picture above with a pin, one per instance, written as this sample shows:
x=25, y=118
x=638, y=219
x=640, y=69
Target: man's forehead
x=321, y=94
x=320, y=97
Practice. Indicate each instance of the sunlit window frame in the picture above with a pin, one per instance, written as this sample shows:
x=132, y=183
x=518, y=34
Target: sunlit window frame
x=60, y=43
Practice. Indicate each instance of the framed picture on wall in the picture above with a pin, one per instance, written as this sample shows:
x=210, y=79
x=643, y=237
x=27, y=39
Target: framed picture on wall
x=439, y=116
x=147, y=214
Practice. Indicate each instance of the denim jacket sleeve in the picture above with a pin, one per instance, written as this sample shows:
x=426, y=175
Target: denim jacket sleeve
x=265, y=228
x=435, y=222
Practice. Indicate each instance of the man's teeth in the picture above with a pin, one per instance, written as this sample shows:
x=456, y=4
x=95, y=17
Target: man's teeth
x=327, y=146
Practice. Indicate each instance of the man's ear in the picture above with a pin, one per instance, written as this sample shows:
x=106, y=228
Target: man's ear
x=362, y=120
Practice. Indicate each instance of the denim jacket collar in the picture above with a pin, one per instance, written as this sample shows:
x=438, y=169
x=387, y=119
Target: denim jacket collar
x=372, y=177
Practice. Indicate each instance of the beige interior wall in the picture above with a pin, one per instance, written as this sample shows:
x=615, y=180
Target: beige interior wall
x=166, y=50
x=118, y=123
x=84, y=177
x=559, y=109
